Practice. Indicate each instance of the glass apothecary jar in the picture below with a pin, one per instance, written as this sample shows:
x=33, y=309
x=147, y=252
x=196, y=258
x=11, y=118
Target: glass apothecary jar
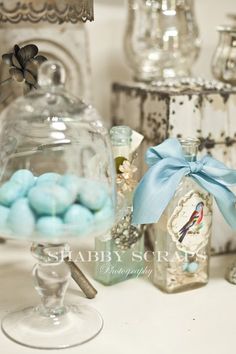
x=161, y=38
x=57, y=183
x=224, y=59
x=121, y=250
x=183, y=234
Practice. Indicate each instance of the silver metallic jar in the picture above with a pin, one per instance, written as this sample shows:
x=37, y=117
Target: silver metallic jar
x=224, y=59
x=161, y=38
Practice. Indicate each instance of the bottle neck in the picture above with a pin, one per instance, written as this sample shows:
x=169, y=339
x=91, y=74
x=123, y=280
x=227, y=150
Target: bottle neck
x=190, y=148
x=121, y=141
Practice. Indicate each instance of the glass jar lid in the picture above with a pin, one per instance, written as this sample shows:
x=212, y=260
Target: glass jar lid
x=56, y=165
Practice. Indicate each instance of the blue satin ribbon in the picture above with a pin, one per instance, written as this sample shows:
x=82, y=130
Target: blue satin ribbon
x=167, y=166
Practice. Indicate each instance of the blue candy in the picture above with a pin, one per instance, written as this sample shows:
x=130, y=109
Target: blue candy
x=49, y=199
x=10, y=192
x=79, y=217
x=4, y=212
x=17, y=187
x=93, y=195
x=21, y=219
x=72, y=183
x=49, y=177
x=193, y=267
x=24, y=178
x=106, y=213
x=50, y=226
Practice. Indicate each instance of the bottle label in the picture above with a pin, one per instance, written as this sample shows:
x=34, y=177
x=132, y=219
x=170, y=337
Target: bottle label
x=190, y=223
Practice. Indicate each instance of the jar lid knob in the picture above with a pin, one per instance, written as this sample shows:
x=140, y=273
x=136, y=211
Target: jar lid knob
x=51, y=73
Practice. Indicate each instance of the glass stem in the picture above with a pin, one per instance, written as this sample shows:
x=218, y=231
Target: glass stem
x=51, y=276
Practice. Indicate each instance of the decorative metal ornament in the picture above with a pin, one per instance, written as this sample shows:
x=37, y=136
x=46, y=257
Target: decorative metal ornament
x=125, y=234
x=24, y=63
x=53, y=11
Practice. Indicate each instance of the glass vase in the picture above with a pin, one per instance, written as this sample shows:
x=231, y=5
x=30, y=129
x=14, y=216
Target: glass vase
x=161, y=38
x=183, y=234
x=121, y=249
x=224, y=59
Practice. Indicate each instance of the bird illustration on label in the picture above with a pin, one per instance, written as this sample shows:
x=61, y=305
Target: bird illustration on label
x=194, y=221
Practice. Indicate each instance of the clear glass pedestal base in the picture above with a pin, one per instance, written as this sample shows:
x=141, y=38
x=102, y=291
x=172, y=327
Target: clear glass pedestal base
x=32, y=329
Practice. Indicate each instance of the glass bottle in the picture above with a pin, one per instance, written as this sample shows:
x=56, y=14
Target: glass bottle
x=161, y=38
x=121, y=250
x=183, y=234
x=224, y=59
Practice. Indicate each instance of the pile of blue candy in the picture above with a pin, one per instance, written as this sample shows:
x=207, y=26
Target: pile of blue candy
x=52, y=204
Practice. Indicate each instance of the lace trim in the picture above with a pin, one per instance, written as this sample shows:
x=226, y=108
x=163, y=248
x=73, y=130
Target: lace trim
x=46, y=10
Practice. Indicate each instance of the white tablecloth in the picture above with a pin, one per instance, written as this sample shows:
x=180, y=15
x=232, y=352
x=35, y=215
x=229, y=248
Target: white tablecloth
x=138, y=318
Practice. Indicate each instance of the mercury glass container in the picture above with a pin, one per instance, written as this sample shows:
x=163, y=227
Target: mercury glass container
x=224, y=59
x=120, y=250
x=57, y=183
x=183, y=234
x=161, y=38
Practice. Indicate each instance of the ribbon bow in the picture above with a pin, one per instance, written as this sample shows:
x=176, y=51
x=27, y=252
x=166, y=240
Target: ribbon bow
x=167, y=166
